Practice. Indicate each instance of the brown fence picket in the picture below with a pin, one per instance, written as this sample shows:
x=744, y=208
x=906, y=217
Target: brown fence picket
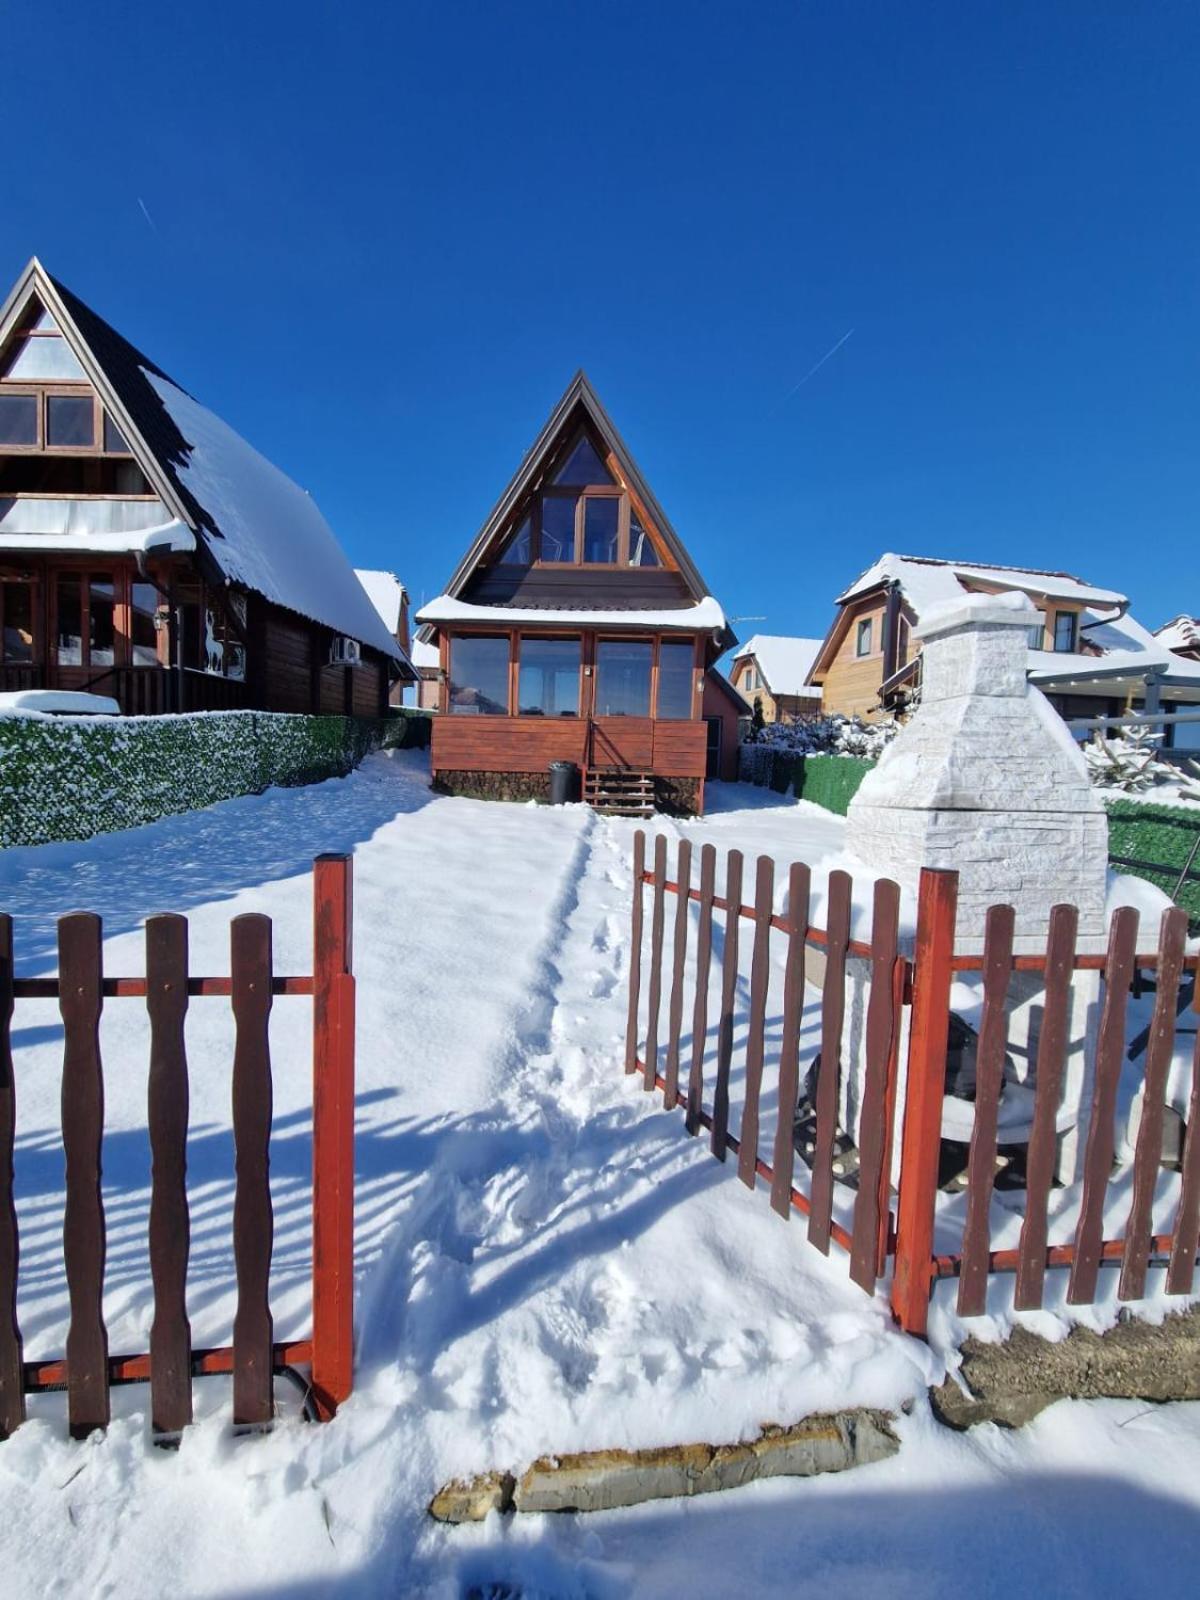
x=1182, y=1267
x=708, y=879
x=167, y=1103
x=1098, y=1156
x=729, y=975
x=683, y=880
x=1043, y=1139
x=658, y=897
x=783, y=1163
x=253, y=1223
x=635, y=952
x=872, y=1142
x=760, y=977
x=989, y=1076
x=12, y=1388
x=1147, y=1154
x=832, y=1016
x=80, y=1001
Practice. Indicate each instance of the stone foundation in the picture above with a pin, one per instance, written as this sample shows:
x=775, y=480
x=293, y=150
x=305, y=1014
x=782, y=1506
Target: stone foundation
x=678, y=797
x=494, y=785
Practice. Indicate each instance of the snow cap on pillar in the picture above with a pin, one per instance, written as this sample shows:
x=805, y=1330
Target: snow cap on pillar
x=986, y=780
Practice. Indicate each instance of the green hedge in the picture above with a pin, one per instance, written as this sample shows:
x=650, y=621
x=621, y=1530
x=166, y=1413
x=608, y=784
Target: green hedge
x=1154, y=843
x=829, y=781
x=72, y=777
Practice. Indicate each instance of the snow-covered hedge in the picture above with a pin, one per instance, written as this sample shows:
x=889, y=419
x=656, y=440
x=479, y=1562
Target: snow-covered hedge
x=822, y=759
x=72, y=777
x=833, y=735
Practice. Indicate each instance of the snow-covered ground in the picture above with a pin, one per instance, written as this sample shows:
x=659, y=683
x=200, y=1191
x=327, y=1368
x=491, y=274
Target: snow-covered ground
x=544, y=1261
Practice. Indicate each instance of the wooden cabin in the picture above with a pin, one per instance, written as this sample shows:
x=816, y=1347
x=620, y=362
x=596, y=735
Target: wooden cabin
x=576, y=628
x=771, y=671
x=1087, y=654
x=148, y=554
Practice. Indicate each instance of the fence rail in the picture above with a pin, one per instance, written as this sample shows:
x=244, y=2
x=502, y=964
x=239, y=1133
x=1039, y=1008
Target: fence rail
x=1072, y=1081
x=87, y=1370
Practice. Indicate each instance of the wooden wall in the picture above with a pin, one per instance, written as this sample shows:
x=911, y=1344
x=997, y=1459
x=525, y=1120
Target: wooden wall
x=528, y=744
x=852, y=682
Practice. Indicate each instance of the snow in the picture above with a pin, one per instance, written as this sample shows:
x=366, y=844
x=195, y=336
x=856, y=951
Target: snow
x=271, y=536
x=173, y=535
x=386, y=594
x=705, y=613
x=544, y=1262
x=925, y=582
x=784, y=662
x=35, y=702
x=425, y=655
x=1182, y=633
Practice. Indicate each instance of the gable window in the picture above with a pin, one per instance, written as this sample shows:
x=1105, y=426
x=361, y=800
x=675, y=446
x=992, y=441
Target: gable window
x=623, y=677
x=548, y=679
x=40, y=354
x=18, y=419
x=749, y=679
x=479, y=675
x=581, y=517
x=862, y=637
x=676, y=662
x=70, y=422
x=1066, y=630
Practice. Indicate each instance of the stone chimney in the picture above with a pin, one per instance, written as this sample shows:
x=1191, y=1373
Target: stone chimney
x=986, y=779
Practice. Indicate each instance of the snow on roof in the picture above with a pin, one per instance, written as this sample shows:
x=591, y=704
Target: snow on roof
x=174, y=535
x=784, y=662
x=926, y=581
x=260, y=529
x=1183, y=633
x=386, y=594
x=269, y=534
x=705, y=613
x=425, y=655
x=1127, y=647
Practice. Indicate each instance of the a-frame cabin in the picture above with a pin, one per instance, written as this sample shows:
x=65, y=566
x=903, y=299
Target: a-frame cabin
x=576, y=628
x=148, y=554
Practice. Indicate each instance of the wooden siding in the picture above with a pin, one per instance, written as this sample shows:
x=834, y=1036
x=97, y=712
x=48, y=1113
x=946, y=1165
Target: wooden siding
x=852, y=682
x=529, y=744
x=579, y=588
x=287, y=648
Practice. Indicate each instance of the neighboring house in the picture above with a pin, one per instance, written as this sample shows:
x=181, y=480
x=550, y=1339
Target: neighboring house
x=147, y=552
x=1087, y=654
x=1181, y=637
x=576, y=628
x=771, y=670
x=390, y=599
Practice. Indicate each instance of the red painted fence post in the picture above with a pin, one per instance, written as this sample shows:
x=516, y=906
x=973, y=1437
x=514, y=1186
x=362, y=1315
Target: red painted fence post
x=333, y=1133
x=937, y=902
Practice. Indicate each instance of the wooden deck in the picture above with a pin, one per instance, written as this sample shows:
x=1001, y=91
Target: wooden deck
x=668, y=749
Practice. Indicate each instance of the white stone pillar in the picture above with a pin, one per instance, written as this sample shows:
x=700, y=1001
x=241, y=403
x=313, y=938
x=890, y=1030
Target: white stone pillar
x=986, y=780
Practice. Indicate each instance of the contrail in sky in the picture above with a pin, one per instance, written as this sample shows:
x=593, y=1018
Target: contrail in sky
x=152, y=223
x=812, y=371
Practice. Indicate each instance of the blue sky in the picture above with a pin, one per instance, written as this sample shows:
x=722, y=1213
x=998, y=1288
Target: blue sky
x=380, y=239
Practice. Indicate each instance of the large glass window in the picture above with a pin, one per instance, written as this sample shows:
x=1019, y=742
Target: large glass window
x=101, y=620
x=18, y=419
x=45, y=357
x=623, y=677
x=641, y=551
x=518, y=552
x=548, y=680
x=479, y=676
x=70, y=421
x=558, y=528
x=143, y=608
x=16, y=609
x=70, y=622
x=676, y=661
x=601, y=515
x=583, y=466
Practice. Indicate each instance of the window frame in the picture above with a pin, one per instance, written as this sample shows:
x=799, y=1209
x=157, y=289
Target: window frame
x=34, y=586
x=1073, y=618
x=652, y=687
x=41, y=393
x=502, y=635
x=861, y=623
x=549, y=638
x=693, y=672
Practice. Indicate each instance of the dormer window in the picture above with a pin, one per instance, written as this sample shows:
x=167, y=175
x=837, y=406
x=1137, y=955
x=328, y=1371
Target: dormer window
x=582, y=517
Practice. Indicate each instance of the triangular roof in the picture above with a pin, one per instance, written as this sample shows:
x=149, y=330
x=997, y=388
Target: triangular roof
x=385, y=592
x=253, y=525
x=785, y=662
x=579, y=396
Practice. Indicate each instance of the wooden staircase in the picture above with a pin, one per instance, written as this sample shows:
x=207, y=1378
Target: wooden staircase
x=619, y=791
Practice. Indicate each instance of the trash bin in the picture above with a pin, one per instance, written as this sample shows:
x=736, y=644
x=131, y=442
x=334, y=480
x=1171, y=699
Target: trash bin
x=564, y=782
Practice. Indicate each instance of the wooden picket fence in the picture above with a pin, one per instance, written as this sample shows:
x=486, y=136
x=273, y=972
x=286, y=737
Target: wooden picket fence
x=87, y=1371
x=679, y=969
